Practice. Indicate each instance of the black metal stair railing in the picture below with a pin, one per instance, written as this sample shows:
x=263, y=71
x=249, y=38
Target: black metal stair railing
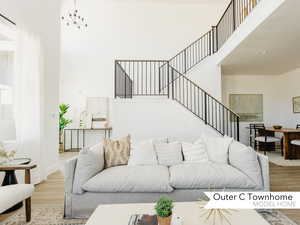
x=203, y=105
x=193, y=54
x=209, y=43
x=143, y=77
x=167, y=77
x=232, y=18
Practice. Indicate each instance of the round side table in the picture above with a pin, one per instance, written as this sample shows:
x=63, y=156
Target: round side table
x=10, y=177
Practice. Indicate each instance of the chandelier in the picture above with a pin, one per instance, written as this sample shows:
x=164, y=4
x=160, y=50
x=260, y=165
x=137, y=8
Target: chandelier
x=74, y=19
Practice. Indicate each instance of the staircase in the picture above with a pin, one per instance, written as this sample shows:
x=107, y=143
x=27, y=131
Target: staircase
x=168, y=77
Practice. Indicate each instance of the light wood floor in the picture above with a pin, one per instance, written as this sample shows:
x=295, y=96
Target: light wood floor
x=282, y=179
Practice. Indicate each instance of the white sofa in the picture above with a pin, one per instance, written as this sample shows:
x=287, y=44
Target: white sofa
x=144, y=184
x=10, y=195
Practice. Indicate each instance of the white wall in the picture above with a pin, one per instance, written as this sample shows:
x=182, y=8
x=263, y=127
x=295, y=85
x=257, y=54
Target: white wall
x=208, y=76
x=277, y=91
x=42, y=17
x=130, y=30
x=6, y=68
x=154, y=118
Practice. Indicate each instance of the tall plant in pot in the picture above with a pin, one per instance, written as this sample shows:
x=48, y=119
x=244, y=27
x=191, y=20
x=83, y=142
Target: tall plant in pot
x=63, y=123
x=163, y=208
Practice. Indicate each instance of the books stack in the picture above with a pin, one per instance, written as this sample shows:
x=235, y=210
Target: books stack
x=143, y=220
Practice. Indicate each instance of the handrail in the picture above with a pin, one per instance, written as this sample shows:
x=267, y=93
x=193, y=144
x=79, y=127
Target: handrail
x=140, y=60
x=185, y=77
x=227, y=8
x=7, y=19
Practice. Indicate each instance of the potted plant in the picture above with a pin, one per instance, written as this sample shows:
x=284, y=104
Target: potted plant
x=63, y=123
x=163, y=210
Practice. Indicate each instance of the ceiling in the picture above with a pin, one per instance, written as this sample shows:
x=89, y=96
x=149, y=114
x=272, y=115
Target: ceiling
x=272, y=49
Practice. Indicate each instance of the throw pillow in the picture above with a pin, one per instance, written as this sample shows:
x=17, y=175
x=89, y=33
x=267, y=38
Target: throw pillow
x=216, y=147
x=116, y=153
x=245, y=159
x=142, y=154
x=90, y=161
x=169, y=154
x=194, y=153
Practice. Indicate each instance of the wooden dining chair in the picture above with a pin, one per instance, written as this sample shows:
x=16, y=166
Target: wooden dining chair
x=254, y=127
x=264, y=138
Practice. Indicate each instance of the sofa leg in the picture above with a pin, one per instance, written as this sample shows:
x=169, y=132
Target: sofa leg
x=28, y=209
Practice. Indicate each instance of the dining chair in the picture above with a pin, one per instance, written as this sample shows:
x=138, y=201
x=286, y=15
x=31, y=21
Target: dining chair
x=297, y=141
x=254, y=127
x=264, y=138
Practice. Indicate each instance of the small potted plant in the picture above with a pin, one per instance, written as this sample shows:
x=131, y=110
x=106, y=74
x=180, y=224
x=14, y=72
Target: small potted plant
x=163, y=210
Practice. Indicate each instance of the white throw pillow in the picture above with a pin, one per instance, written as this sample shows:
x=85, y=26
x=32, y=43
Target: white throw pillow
x=169, y=154
x=245, y=159
x=143, y=154
x=90, y=161
x=194, y=153
x=216, y=147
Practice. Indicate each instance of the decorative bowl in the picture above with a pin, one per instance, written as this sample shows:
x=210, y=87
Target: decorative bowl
x=277, y=127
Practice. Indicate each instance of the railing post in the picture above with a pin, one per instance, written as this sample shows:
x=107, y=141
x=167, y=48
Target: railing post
x=159, y=88
x=210, y=42
x=172, y=83
x=238, y=128
x=233, y=15
x=125, y=95
x=205, y=108
x=185, y=62
x=217, y=39
x=115, y=79
x=168, y=79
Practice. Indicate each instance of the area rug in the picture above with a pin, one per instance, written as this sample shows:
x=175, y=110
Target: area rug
x=53, y=215
x=42, y=215
x=276, y=158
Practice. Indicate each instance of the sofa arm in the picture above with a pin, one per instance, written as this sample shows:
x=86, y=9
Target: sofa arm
x=264, y=165
x=70, y=167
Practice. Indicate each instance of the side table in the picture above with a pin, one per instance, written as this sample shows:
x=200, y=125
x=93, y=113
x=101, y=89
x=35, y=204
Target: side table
x=10, y=176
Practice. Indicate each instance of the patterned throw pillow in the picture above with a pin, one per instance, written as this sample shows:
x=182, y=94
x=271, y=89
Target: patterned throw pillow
x=116, y=153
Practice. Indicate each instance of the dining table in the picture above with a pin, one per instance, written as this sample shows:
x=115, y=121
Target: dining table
x=289, y=151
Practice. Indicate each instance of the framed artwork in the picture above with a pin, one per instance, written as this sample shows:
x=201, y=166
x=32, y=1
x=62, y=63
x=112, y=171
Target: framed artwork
x=296, y=104
x=248, y=106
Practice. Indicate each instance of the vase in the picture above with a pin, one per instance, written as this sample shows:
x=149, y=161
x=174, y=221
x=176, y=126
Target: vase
x=61, y=141
x=164, y=220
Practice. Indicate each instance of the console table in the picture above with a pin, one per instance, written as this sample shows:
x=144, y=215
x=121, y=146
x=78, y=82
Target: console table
x=68, y=132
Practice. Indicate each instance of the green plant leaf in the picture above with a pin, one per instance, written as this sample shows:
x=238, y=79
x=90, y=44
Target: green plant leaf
x=164, y=207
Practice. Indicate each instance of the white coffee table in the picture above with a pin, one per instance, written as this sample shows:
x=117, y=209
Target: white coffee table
x=190, y=211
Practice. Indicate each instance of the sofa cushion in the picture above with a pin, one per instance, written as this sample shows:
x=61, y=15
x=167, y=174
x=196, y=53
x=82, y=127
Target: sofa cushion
x=90, y=161
x=216, y=147
x=130, y=179
x=143, y=153
x=208, y=175
x=194, y=153
x=116, y=152
x=169, y=154
x=245, y=159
